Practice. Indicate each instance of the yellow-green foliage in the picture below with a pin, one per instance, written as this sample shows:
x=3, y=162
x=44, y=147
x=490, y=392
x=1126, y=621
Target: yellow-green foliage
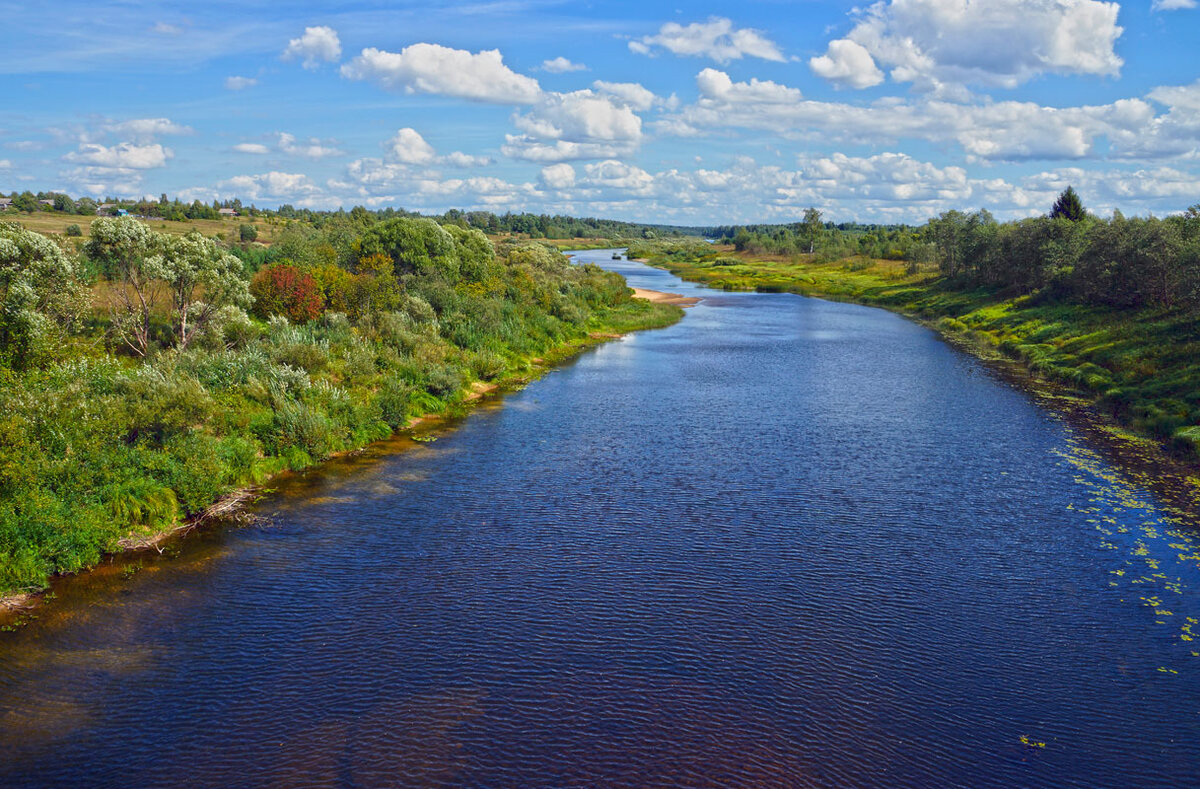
x=97, y=447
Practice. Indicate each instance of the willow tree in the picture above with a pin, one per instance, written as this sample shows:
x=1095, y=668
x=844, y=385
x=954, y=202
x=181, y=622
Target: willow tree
x=42, y=296
x=126, y=252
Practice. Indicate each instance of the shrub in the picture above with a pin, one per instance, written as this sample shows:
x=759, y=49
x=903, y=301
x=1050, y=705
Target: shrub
x=286, y=290
x=74, y=231
x=248, y=233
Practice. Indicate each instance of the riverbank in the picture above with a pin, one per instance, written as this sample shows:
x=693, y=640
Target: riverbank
x=659, y=297
x=1136, y=373
x=618, y=323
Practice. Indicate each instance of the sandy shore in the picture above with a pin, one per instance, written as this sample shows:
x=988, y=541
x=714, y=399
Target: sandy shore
x=659, y=297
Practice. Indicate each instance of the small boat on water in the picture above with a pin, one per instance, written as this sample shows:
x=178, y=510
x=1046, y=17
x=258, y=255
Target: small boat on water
x=616, y=256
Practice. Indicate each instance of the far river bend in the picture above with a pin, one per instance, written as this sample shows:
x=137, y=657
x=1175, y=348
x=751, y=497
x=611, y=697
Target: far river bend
x=786, y=542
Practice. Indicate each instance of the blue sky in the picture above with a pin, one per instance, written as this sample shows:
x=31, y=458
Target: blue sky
x=713, y=113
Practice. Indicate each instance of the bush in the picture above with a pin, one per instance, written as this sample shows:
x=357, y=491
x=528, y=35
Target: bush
x=248, y=233
x=285, y=290
x=74, y=231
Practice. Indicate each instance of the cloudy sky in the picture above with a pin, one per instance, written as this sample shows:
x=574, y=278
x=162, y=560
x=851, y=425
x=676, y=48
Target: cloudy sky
x=709, y=113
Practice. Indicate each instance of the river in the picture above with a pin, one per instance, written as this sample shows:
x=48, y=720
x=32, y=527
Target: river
x=786, y=542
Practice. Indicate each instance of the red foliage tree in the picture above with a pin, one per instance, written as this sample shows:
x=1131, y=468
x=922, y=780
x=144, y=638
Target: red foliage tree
x=285, y=290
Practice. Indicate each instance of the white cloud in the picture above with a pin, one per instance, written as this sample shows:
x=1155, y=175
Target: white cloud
x=375, y=182
x=561, y=65
x=464, y=160
x=940, y=45
x=431, y=68
x=104, y=180
x=558, y=176
x=577, y=125
x=272, y=186
x=1006, y=130
x=1173, y=5
x=612, y=174
x=716, y=85
x=255, y=148
x=5, y=164
x=318, y=44
x=166, y=29
x=125, y=156
x=847, y=63
x=716, y=39
x=312, y=149
x=409, y=147
x=240, y=83
x=146, y=129
x=530, y=150
x=580, y=116
x=630, y=93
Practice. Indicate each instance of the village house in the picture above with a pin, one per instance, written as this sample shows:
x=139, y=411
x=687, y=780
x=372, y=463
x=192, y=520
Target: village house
x=5, y=203
x=227, y=212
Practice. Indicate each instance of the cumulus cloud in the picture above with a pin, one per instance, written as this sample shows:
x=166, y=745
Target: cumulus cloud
x=847, y=63
x=716, y=39
x=558, y=176
x=561, y=65
x=939, y=44
x=317, y=45
x=240, y=83
x=578, y=125
x=630, y=93
x=376, y=182
x=313, y=148
x=718, y=86
x=5, y=164
x=432, y=68
x=271, y=186
x=124, y=156
x=1003, y=131
x=409, y=147
x=104, y=180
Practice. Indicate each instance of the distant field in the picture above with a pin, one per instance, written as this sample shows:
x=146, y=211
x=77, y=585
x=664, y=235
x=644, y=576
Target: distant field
x=56, y=224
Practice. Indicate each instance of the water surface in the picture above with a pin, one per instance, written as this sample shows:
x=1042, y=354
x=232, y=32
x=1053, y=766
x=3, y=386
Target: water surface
x=786, y=542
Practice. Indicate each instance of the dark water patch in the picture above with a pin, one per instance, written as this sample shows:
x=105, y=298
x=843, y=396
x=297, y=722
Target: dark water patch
x=784, y=543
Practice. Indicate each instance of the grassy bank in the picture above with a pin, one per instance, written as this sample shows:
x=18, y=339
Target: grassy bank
x=1140, y=365
x=101, y=448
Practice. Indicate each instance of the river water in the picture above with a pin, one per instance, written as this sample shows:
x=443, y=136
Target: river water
x=786, y=542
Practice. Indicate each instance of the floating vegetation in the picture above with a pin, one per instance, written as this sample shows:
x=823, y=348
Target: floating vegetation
x=1160, y=550
x=1031, y=743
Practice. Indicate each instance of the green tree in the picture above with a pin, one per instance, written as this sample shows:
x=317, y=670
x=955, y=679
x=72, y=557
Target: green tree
x=416, y=246
x=812, y=229
x=193, y=266
x=1068, y=206
x=42, y=296
x=26, y=201
x=126, y=252
x=64, y=204
x=248, y=233
x=376, y=288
